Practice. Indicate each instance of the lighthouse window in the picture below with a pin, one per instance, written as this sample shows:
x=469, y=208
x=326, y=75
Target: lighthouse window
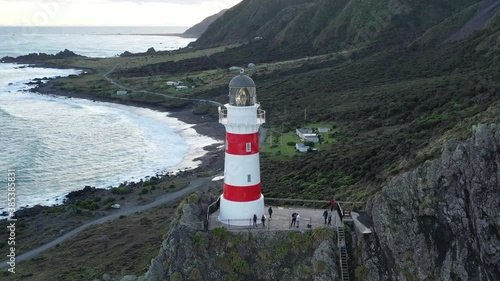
x=249, y=147
x=249, y=178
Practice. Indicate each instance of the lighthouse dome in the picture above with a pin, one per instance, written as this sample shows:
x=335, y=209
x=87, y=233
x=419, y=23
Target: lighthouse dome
x=242, y=91
x=241, y=81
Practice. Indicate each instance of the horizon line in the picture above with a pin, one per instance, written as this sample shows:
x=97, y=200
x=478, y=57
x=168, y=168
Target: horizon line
x=32, y=26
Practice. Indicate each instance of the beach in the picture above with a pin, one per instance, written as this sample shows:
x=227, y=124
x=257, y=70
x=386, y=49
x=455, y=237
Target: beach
x=201, y=133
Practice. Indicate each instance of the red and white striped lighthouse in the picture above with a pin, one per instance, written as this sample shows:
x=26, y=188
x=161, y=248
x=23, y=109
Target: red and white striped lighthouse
x=242, y=197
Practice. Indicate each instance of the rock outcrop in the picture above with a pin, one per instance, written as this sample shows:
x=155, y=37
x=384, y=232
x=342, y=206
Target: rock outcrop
x=191, y=253
x=440, y=221
x=41, y=56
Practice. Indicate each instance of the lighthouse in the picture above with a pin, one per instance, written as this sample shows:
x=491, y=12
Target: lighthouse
x=241, y=198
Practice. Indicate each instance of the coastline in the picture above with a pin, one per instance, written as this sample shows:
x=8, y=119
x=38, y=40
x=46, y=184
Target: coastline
x=208, y=158
x=202, y=124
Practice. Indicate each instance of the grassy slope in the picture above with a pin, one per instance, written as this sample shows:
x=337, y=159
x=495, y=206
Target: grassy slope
x=118, y=248
x=392, y=105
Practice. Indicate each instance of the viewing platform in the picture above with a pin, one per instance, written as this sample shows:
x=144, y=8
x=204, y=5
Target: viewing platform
x=281, y=220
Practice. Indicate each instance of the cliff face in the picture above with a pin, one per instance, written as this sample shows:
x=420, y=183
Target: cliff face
x=440, y=221
x=190, y=253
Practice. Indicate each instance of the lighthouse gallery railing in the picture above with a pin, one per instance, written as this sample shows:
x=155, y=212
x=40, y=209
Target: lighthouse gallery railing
x=261, y=118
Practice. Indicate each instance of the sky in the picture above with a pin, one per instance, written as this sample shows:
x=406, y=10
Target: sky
x=108, y=12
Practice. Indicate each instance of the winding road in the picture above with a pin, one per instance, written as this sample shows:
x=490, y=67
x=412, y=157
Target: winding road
x=121, y=86
x=167, y=198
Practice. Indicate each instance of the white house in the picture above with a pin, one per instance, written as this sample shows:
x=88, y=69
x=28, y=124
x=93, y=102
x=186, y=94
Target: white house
x=323, y=130
x=311, y=137
x=301, y=147
x=181, y=88
x=174, y=83
x=302, y=131
x=121, y=93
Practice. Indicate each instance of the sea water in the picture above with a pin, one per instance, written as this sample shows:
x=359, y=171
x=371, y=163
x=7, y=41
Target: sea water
x=57, y=145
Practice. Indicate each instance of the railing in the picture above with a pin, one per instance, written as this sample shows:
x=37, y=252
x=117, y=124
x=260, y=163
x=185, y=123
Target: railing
x=321, y=204
x=212, y=208
x=261, y=118
x=272, y=224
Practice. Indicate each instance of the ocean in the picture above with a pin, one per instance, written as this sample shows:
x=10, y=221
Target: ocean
x=88, y=41
x=58, y=145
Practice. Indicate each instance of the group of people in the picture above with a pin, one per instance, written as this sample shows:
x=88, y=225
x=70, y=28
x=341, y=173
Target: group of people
x=295, y=220
x=263, y=218
x=327, y=215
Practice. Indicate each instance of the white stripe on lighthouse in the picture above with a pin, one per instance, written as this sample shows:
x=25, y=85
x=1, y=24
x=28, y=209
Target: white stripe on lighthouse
x=242, y=170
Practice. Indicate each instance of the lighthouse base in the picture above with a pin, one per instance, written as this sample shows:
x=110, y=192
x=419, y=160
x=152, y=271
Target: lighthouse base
x=240, y=213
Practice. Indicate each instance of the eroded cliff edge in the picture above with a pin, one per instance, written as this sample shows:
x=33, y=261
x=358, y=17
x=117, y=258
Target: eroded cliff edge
x=189, y=252
x=440, y=221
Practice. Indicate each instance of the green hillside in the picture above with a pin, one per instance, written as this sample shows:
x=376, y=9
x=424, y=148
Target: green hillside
x=393, y=99
x=312, y=27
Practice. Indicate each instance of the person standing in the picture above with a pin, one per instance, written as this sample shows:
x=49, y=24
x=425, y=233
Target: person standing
x=263, y=220
x=270, y=211
x=254, y=220
x=332, y=204
x=330, y=219
x=298, y=220
x=325, y=215
x=294, y=218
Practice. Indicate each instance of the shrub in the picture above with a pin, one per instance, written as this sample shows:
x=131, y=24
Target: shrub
x=193, y=198
x=94, y=206
x=176, y=276
x=309, y=143
x=121, y=190
x=109, y=200
x=290, y=143
x=195, y=274
x=360, y=273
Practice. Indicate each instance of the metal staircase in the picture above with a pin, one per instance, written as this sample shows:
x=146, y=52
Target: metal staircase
x=344, y=267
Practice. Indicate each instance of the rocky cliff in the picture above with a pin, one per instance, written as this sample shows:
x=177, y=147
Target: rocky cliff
x=191, y=253
x=440, y=221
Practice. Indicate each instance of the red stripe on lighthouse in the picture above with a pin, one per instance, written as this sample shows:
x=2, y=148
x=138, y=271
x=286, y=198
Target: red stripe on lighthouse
x=242, y=193
x=237, y=144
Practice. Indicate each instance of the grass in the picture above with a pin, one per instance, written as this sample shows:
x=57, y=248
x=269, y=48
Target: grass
x=277, y=145
x=393, y=106
x=124, y=239
x=55, y=221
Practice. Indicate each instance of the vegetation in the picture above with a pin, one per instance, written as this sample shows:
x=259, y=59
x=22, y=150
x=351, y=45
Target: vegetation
x=125, y=240
x=385, y=76
x=278, y=254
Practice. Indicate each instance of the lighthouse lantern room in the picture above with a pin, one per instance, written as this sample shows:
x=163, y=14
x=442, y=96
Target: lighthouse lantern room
x=242, y=117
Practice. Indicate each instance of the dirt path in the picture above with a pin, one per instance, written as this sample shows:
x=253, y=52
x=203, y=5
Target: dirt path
x=167, y=198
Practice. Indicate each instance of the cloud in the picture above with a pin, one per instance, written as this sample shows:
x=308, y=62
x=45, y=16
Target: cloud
x=109, y=12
